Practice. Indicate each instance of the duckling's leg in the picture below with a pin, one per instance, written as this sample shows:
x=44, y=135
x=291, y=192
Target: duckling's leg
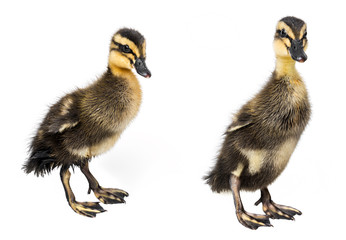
x=105, y=195
x=89, y=209
x=249, y=220
x=274, y=210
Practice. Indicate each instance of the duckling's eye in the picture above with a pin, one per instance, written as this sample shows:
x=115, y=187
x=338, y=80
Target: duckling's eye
x=126, y=49
x=304, y=36
x=283, y=33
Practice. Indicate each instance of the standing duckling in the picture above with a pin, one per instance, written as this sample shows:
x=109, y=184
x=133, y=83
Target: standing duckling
x=266, y=130
x=88, y=122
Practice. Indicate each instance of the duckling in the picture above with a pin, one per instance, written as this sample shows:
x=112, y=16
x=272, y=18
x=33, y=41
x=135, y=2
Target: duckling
x=263, y=134
x=89, y=121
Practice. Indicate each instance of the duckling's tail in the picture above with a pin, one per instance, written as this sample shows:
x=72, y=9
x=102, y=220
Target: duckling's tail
x=41, y=162
x=218, y=182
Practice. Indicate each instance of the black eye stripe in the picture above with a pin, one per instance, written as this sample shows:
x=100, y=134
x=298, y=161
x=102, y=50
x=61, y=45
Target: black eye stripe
x=131, y=62
x=121, y=46
x=281, y=33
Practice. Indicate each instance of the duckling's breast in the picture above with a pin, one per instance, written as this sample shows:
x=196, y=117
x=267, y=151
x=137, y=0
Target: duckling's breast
x=107, y=109
x=96, y=149
x=282, y=108
x=117, y=103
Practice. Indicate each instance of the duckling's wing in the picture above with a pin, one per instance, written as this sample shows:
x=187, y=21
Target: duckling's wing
x=62, y=116
x=242, y=120
x=61, y=124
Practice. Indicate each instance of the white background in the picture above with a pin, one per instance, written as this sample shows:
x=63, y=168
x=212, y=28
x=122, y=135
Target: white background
x=207, y=58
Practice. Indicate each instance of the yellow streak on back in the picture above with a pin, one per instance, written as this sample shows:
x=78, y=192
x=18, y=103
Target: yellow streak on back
x=67, y=125
x=66, y=104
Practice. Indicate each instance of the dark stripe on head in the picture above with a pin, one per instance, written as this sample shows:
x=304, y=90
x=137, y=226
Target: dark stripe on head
x=132, y=35
x=294, y=23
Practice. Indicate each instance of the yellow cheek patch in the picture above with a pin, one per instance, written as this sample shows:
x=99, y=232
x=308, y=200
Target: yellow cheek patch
x=287, y=42
x=130, y=56
x=119, y=60
x=282, y=25
x=124, y=41
x=280, y=47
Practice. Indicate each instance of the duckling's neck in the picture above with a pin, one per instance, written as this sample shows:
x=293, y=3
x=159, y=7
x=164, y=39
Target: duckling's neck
x=120, y=72
x=128, y=76
x=285, y=67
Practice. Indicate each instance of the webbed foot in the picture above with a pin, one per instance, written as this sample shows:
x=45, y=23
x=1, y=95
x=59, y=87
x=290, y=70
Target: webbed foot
x=276, y=211
x=110, y=195
x=88, y=209
x=253, y=221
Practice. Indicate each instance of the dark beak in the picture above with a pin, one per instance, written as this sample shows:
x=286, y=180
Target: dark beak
x=297, y=51
x=141, y=68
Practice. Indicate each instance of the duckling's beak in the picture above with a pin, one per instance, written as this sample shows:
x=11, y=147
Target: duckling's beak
x=297, y=52
x=141, y=68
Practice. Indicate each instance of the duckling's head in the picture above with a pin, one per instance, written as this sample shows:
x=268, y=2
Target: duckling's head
x=290, y=39
x=127, y=50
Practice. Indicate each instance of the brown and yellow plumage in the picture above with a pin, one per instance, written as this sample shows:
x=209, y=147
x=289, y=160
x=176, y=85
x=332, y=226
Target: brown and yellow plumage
x=88, y=121
x=266, y=130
